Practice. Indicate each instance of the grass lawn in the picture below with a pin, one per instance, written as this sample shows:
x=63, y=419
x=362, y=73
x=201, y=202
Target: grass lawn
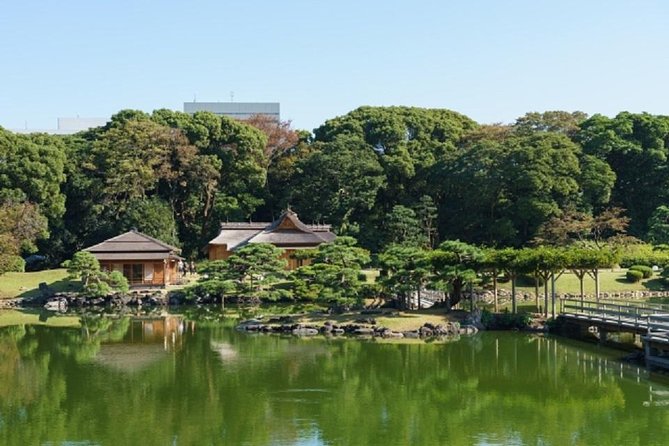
x=14, y=317
x=609, y=281
x=27, y=284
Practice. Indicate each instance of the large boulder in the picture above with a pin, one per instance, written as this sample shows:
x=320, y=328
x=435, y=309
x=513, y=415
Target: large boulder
x=56, y=304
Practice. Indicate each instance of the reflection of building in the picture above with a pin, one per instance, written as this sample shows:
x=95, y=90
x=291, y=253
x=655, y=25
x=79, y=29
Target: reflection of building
x=236, y=110
x=148, y=340
x=287, y=232
x=166, y=329
x=143, y=260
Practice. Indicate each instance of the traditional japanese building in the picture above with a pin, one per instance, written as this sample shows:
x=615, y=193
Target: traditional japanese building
x=143, y=260
x=287, y=232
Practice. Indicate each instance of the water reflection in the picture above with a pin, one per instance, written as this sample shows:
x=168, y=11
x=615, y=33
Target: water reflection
x=148, y=340
x=186, y=379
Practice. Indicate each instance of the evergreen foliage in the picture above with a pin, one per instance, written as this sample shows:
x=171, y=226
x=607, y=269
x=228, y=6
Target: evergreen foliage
x=386, y=175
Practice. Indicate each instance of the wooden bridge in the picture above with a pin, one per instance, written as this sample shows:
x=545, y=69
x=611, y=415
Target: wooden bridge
x=649, y=321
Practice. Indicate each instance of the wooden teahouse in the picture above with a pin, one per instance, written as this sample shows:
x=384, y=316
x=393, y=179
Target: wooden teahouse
x=286, y=232
x=143, y=260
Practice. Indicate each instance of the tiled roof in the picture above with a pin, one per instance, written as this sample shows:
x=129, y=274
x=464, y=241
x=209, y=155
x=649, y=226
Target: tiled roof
x=234, y=237
x=285, y=231
x=132, y=255
x=133, y=242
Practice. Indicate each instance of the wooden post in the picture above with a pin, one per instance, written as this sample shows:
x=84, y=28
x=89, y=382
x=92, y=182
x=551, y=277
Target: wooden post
x=582, y=293
x=545, y=296
x=494, y=288
x=513, y=294
x=536, y=292
x=553, y=294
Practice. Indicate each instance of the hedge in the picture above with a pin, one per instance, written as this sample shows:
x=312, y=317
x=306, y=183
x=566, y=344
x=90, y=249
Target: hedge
x=647, y=271
x=634, y=275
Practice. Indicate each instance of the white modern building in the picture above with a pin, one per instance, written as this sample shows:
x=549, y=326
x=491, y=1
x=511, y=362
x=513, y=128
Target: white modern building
x=68, y=126
x=236, y=110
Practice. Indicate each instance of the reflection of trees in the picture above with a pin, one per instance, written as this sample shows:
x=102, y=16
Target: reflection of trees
x=498, y=388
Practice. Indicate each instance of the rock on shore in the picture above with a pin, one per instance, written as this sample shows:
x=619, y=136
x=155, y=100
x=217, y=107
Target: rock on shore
x=358, y=330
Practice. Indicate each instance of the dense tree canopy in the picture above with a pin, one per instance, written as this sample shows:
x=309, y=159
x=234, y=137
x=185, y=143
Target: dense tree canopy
x=386, y=175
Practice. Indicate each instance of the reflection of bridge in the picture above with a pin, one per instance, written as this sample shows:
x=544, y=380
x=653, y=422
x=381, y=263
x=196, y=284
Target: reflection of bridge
x=649, y=321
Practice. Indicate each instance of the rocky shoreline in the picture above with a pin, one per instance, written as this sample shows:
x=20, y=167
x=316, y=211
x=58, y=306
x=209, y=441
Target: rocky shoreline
x=362, y=328
x=62, y=301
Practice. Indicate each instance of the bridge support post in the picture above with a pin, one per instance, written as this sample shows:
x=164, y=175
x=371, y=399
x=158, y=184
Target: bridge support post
x=553, y=295
x=603, y=336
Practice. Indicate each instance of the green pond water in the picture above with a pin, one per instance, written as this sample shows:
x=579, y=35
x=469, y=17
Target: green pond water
x=190, y=380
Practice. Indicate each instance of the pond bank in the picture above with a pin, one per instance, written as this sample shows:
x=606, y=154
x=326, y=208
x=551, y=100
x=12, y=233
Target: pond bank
x=378, y=322
x=64, y=301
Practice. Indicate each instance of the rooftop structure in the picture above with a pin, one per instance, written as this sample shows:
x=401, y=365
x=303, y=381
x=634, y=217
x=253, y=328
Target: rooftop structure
x=143, y=260
x=68, y=126
x=286, y=232
x=236, y=110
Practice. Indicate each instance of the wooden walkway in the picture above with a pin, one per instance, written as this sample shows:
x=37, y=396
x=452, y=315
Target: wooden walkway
x=640, y=318
x=650, y=321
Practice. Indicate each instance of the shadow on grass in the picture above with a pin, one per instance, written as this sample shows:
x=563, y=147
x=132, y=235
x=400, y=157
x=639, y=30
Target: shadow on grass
x=655, y=285
x=623, y=280
x=649, y=285
x=58, y=286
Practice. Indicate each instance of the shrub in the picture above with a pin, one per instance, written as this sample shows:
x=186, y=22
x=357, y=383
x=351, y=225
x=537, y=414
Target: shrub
x=634, y=275
x=15, y=264
x=505, y=321
x=647, y=271
x=209, y=291
x=117, y=281
x=643, y=254
x=96, y=289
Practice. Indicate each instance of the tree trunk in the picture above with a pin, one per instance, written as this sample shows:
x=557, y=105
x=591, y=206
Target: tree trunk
x=457, y=292
x=597, y=284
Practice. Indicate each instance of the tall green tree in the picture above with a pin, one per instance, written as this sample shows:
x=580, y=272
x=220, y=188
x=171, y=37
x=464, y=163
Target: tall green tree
x=404, y=228
x=556, y=121
x=658, y=225
x=455, y=264
x=334, y=274
x=635, y=146
x=508, y=188
x=253, y=269
x=407, y=270
x=34, y=165
x=338, y=183
x=21, y=225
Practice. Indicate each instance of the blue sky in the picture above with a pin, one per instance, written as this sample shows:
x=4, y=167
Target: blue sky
x=491, y=60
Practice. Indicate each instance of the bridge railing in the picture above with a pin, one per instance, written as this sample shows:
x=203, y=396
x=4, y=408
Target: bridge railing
x=653, y=318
